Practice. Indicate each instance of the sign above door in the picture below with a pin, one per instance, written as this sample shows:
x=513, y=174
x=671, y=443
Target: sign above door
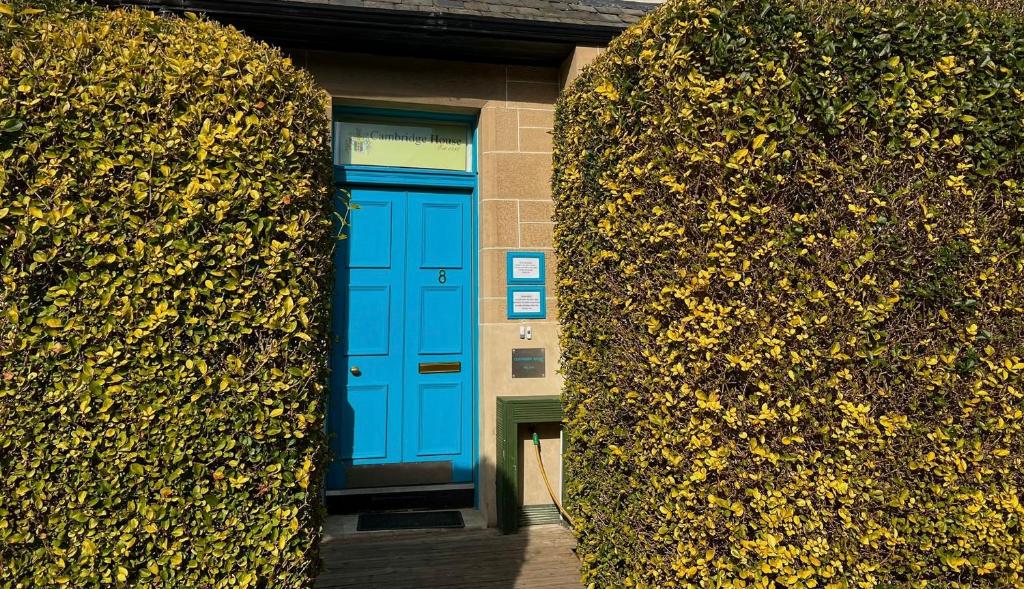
x=403, y=143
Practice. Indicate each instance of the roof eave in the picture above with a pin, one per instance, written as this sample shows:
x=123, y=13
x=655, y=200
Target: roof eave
x=318, y=26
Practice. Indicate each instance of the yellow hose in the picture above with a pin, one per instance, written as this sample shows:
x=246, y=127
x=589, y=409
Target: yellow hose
x=547, y=483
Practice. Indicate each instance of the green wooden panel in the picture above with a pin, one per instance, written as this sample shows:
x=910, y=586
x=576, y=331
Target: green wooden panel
x=535, y=515
x=512, y=411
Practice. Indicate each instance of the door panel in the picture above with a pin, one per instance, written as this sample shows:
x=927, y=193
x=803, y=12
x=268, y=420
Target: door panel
x=404, y=297
x=440, y=419
x=369, y=421
x=441, y=248
x=368, y=349
x=440, y=312
x=370, y=242
x=369, y=320
x=439, y=281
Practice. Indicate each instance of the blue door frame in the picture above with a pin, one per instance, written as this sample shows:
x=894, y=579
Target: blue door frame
x=386, y=184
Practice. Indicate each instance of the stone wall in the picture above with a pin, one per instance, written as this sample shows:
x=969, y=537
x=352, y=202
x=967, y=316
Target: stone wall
x=515, y=105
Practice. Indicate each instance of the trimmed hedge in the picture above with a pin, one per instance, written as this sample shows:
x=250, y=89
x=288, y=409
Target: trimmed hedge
x=165, y=239
x=791, y=261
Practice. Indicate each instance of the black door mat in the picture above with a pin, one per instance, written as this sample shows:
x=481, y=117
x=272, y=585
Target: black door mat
x=412, y=520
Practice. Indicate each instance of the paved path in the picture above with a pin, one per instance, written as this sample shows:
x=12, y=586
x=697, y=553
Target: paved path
x=538, y=557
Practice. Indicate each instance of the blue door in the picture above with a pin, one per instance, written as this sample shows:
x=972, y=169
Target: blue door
x=401, y=365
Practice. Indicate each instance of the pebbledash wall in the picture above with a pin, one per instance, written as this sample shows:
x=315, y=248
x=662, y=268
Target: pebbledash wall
x=515, y=109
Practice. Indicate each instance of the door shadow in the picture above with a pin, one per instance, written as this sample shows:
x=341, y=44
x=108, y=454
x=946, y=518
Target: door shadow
x=471, y=558
x=340, y=430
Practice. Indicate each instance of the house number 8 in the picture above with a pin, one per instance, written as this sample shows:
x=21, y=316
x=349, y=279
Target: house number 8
x=442, y=276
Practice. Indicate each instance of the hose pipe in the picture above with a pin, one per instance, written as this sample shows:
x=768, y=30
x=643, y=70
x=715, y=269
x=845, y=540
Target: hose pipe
x=547, y=482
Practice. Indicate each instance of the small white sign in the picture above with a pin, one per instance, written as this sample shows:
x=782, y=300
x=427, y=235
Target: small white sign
x=526, y=301
x=526, y=268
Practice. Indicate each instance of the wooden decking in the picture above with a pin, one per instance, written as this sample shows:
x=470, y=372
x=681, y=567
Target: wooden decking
x=538, y=557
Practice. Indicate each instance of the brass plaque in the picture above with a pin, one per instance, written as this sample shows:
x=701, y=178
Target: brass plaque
x=440, y=367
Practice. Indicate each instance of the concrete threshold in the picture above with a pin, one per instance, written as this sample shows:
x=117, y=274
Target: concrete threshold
x=337, y=527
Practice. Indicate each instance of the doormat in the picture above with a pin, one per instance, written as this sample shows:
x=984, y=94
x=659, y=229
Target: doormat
x=412, y=520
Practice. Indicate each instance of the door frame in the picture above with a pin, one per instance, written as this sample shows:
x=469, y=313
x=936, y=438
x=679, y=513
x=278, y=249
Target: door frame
x=346, y=176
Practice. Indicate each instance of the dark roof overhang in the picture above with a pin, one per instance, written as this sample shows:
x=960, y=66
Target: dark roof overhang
x=308, y=25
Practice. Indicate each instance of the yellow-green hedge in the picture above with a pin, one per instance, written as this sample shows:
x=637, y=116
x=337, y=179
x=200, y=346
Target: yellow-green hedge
x=791, y=262
x=165, y=243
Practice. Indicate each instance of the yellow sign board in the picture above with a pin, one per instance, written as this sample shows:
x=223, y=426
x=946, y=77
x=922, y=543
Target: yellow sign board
x=404, y=144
